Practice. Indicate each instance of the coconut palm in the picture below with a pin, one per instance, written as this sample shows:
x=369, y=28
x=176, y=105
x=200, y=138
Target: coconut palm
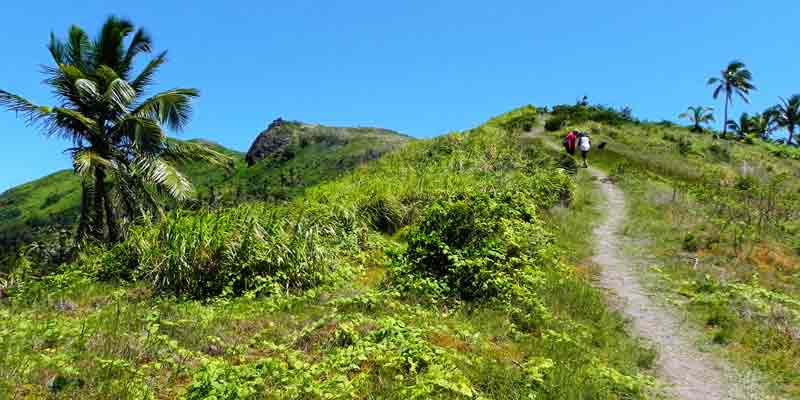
x=787, y=115
x=699, y=116
x=742, y=127
x=119, y=147
x=734, y=79
x=764, y=123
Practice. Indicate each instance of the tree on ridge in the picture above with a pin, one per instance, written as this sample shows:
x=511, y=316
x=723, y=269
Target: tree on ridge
x=699, y=116
x=734, y=79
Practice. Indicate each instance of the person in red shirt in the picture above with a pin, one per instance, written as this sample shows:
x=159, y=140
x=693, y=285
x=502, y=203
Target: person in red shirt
x=570, y=142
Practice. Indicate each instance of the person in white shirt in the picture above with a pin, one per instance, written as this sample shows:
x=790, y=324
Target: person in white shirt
x=584, y=144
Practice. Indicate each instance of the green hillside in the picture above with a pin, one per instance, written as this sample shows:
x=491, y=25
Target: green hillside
x=435, y=272
x=718, y=222
x=49, y=207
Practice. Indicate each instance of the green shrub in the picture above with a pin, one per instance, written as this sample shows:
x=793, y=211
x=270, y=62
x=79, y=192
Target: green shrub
x=474, y=247
x=580, y=113
x=207, y=253
x=555, y=123
x=523, y=122
x=720, y=152
x=684, y=145
x=690, y=243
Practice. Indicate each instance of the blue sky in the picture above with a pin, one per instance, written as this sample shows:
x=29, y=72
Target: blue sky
x=419, y=67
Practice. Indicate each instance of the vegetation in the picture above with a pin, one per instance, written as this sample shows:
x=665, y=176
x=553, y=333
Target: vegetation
x=787, y=115
x=734, y=79
x=355, y=263
x=720, y=219
x=699, y=116
x=117, y=135
x=301, y=303
x=39, y=218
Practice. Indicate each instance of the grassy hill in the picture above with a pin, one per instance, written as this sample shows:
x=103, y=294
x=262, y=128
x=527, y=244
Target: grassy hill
x=48, y=207
x=434, y=272
x=452, y=268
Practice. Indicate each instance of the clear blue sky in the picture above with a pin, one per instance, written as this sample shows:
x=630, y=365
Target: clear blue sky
x=419, y=67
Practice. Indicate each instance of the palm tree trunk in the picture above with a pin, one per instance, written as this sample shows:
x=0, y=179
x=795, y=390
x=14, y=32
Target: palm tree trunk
x=111, y=219
x=99, y=229
x=791, y=135
x=725, y=121
x=84, y=224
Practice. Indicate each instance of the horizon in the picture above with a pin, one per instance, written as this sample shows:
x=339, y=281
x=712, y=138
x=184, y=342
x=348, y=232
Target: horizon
x=416, y=68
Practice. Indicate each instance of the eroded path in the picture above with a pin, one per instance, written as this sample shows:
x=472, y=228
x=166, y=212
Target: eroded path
x=689, y=373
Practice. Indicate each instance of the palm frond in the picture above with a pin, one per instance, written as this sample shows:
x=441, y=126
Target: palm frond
x=57, y=48
x=145, y=78
x=19, y=104
x=718, y=90
x=105, y=75
x=79, y=47
x=173, y=107
x=165, y=177
x=85, y=161
x=120, y=94
x=62, y=80
x=182, y=151
x=108, y=47
x=73, y=119
x=141, y=43
x=144, y=135
x=87, y=90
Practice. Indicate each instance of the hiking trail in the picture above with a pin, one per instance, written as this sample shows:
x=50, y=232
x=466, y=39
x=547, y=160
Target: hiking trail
x=689, y=373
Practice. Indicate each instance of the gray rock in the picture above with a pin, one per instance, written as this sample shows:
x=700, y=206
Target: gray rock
x=270, y=142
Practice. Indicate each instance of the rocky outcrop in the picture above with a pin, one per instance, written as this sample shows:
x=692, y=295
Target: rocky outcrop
x=272, y=141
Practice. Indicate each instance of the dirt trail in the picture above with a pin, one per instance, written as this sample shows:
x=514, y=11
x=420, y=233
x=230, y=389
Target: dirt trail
x=689, y=373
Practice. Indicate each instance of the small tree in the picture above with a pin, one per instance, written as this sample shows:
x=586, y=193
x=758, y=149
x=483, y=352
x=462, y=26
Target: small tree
x=734, y=79
x=763, y=124
x=787, y=115
x=742, y=127
x=699, y=116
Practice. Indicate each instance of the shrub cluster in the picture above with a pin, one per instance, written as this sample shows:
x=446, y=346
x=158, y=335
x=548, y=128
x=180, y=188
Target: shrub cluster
x=580, y=113
x=207, y=253
x=476, y=246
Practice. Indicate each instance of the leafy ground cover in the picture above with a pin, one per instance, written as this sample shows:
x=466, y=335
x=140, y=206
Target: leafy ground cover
x=437, y=271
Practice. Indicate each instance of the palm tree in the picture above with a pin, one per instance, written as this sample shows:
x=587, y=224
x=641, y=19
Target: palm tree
x=743, y=126
x=699, y=116
x=764, y=123
x=787, y=115
x=735, y=79
x=119, y=147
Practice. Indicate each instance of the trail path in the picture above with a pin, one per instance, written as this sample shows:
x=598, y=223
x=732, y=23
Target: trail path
x=689, y=373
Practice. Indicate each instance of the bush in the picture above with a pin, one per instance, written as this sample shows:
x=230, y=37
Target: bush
x=690, y=243
x=555, y=124
x=684, y=145
x=577, y=114
x=474, y=247
x=720, y=152
x=207, y=253
x=523, y=122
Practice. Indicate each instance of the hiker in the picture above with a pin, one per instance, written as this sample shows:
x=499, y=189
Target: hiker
x=570, y=141
x=585, y=144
